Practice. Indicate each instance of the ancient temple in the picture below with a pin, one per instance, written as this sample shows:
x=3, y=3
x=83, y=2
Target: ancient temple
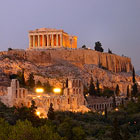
x=44, y=38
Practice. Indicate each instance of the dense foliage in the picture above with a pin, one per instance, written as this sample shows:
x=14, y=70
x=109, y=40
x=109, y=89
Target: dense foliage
x=98, y=46
x=22, y=123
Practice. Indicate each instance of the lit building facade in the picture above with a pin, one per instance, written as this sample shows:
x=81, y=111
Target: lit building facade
x=45, y=38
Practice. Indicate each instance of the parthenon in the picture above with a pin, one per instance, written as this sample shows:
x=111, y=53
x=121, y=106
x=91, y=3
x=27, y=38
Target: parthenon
x=44, y=38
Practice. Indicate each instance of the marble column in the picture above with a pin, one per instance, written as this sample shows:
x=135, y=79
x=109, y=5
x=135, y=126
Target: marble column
x=52, y=40
x=61, y=40
x=47, y=40
x=43, y=43
x=33, y=40
x=38, y=40
x=57, y=40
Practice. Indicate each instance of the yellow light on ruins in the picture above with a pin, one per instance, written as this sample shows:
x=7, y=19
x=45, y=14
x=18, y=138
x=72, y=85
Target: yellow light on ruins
x=57, y=90
x=38, y=113
x=39, y=90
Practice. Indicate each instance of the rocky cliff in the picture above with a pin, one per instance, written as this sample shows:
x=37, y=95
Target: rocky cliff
x=56, y=65
x=78, y=57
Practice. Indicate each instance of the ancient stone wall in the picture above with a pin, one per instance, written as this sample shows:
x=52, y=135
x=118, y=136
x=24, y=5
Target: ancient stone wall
x=77, y=57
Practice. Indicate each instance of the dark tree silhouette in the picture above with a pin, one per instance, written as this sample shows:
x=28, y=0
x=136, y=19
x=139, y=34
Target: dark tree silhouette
x=117, y=90
x=98, y=87
x=134, y=90
x=114, y=102
x=20, y=77
x=128, y=92
x=106, y=113
x=31, y=81
x=51, y=115
x=133, y=75
x=84, y=47
x=115, y=134
x=39, y=84
x=10, y=49
x=109, y=51
x=33, y=107
x=92, y=90
x=98, y=46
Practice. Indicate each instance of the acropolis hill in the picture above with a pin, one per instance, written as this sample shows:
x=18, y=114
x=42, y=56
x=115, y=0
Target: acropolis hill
x=53, y=57
x=55, y=65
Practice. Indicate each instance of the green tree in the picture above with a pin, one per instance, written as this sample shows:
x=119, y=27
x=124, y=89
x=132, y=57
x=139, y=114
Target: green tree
x=114, y=102
x=10, y=49
x=51, y=115
x=31, y=81
x=134, y=90
x=65, y=129
x=115, y=134
x=33, y=107
x=5, y=129
x=98, y=46
x=128, y=92
x=39, y=84
x=92, y=90
x=133, y=75
x=109, y=51
x=117, y=90
x=20, y=77
x=84, y=47
x=106, y=113
x=98, y=87
x=47, y=87
x=126, y=135
x=78, y=133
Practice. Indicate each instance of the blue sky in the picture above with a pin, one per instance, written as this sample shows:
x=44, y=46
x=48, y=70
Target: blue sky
x=115, y=23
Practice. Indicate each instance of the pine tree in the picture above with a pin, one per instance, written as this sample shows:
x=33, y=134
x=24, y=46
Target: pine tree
x=109, y=51
x=92, y=90
x=134, y=90
x=39, y=84
x=115, y=135
x=98, y=46
x=128, y=92
x=20, y=77
x=117, y=91
x=133, y=75
x=33, y=107
x=98, y=87
x=126, y=135
x=31, y=81
x=114, y=102
x=51, y=115
x=106, y=114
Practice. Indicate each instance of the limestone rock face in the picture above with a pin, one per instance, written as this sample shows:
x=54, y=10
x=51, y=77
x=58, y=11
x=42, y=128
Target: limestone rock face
x=56, y=65
x=78, y=57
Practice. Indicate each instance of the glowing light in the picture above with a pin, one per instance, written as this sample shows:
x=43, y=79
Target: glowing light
x=87, y=95
x=39, y=90
x=116, y=109
x=57, y=90
x=38, y=113
x=103, y=113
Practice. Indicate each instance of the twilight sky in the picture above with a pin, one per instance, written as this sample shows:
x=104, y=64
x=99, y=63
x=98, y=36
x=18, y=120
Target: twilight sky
x=115, y=23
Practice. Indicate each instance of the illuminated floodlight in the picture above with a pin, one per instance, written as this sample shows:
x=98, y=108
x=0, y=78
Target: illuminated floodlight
x=57, y=90
x=103, y=113
x=39, y=90
x=116, y=109
x=38, y=113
